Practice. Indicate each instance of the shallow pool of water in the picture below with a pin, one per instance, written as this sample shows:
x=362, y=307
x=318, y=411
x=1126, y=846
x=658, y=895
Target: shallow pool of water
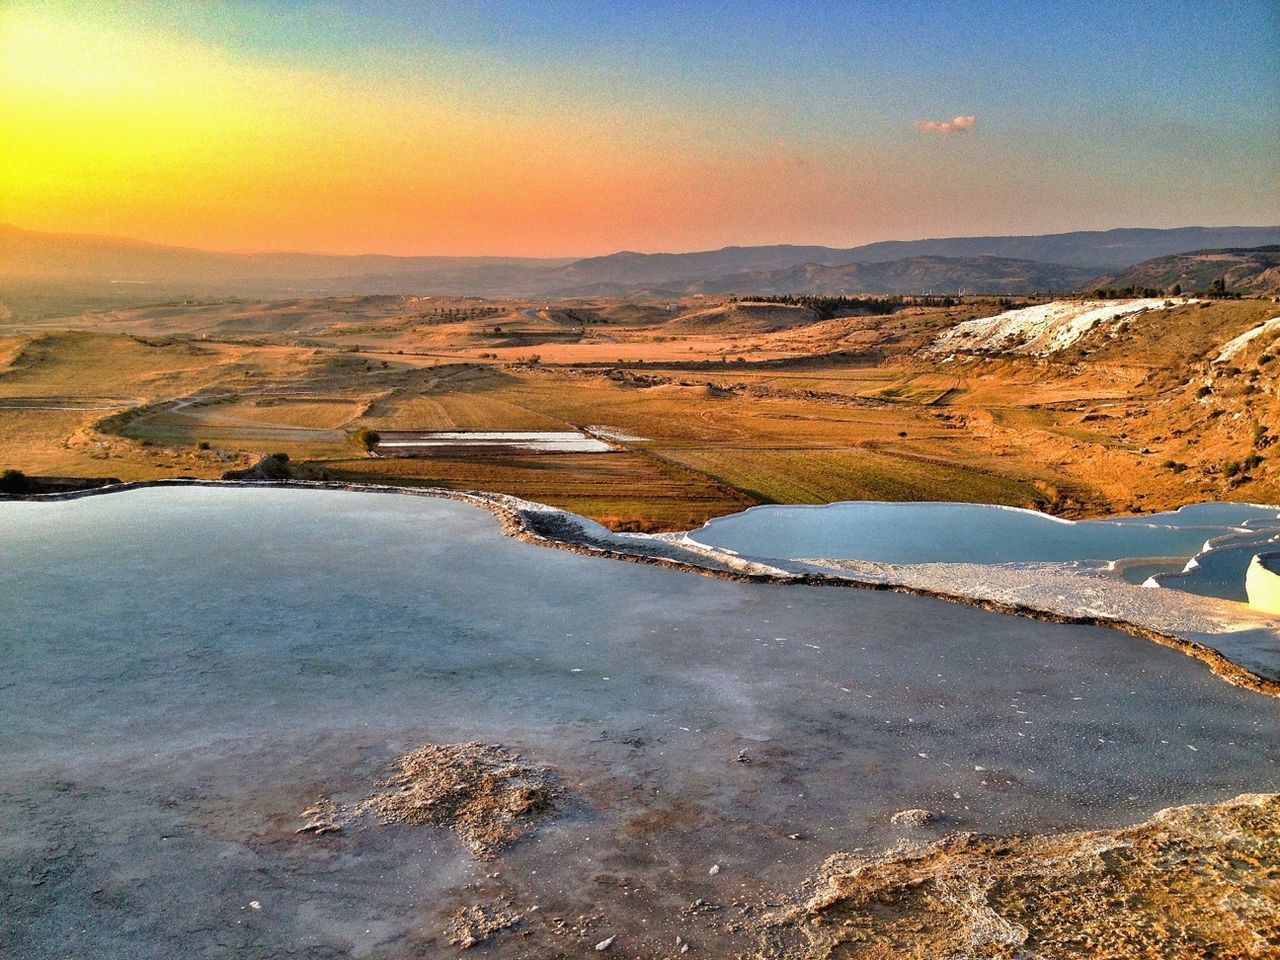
x=981, y=533
x=188, y=669
x=1220, y=572
x=406, y=443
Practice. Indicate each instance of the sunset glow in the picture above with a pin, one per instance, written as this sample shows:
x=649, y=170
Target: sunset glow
x=268, y=126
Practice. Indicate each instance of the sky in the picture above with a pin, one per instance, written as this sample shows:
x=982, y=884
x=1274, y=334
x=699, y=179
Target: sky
x=572, y=128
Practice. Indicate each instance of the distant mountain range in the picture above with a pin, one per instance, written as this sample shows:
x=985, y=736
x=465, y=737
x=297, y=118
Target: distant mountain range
x=924, y=274
x=1004, y=265
x=1248, y=271
x=30, y=256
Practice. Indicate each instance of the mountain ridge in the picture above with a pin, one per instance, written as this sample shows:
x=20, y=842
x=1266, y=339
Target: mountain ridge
x=1247, y=270
x=919, y=274
x=1061, y=260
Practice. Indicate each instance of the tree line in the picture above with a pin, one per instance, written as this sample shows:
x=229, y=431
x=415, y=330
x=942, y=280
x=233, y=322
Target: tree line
x=828, y=307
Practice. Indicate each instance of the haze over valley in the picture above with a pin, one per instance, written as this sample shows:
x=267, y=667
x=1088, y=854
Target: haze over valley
x=29, y=259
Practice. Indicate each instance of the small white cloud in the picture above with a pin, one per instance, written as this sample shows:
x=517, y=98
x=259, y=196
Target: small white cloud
x=946, y=127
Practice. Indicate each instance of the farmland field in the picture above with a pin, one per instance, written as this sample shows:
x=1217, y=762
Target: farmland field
x=717, y=408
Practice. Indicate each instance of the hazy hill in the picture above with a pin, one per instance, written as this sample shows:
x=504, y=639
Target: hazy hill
x=1097, y=250
x=909, y=275
x=632, y=270
x=1246, y=270
x=31, y=256
x=995, y=264
x=741, y=318
x=1101, y=249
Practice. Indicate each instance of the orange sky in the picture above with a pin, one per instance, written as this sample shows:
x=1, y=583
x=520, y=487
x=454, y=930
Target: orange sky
x=122, y=126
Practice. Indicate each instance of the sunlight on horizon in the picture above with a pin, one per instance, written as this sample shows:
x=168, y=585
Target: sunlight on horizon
x=143, y=132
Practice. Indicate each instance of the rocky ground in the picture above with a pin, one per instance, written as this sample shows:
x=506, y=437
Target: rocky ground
x=484, y=793
x=1198, y=881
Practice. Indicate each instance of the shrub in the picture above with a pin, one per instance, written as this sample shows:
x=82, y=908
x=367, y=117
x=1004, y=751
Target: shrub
x=366, y=439
x=282, y=457
x=14, y=481
x=202, y=445
x=1204, y=391
x=1231, y=467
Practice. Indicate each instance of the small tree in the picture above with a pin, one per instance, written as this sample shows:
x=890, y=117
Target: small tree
x=13, y=481
x=366, y=439
x=1177, y=289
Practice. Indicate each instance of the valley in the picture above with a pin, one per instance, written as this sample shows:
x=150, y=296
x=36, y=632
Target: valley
x=707, y=404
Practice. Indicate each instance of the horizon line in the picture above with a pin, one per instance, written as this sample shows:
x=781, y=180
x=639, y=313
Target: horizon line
x=620, y=252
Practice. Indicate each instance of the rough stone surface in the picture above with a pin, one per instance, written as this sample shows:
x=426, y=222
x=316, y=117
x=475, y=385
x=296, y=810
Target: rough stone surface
x=486, y=794
x=1193, y=882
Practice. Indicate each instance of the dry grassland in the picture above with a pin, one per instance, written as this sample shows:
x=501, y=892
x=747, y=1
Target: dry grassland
x=732, y=404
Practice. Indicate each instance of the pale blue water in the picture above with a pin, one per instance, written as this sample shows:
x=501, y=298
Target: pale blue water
x=979, y=533
x=185, y=670
x=1220, y=572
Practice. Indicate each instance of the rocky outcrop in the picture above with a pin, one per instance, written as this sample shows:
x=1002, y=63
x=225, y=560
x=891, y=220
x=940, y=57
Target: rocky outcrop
x=1194, y=882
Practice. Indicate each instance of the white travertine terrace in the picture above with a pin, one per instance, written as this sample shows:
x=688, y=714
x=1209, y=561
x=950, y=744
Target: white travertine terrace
x=1043, y=329
x=1233, y=347
x=1262, y=582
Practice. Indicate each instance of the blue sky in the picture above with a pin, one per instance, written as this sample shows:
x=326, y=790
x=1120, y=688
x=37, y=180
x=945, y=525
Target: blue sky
x=772, y=119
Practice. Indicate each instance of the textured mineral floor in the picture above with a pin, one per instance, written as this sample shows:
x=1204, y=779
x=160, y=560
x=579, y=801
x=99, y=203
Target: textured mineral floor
x=269, y=723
